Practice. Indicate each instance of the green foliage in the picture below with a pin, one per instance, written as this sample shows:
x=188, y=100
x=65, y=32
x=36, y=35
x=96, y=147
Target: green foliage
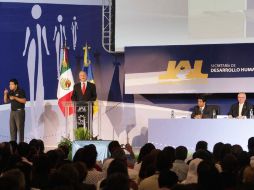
x=82, y=134
x=68, y=143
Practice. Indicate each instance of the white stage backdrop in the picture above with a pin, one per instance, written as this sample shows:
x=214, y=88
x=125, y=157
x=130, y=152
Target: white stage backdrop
x=170, y=22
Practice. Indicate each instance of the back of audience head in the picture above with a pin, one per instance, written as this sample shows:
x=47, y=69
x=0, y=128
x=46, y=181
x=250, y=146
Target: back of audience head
x=82, y=170
x=251, y=146
x=204, y=155
x=119, y=153
x=9, y=183
x=70, y=172
x=65, y=150
x=90, y=155
x=243, y=159
x=117, y=181
x=23, y=149
x=229, y=163
x=14, y=146
x=148, y=166
x=167, y=179
x=208, y=176
x=236, y=149
x=15, y=176
x=170, y=151
x=112, y=146
x=201, y=145
x=164, y=160
x=117, y=166
x=55, y=157
x=226, y=149
x=217, y=151
x=146, y=149
x=79, y=155
x=181, y=153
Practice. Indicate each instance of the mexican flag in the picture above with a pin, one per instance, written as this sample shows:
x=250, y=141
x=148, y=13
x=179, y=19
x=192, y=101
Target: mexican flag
x=65, y=86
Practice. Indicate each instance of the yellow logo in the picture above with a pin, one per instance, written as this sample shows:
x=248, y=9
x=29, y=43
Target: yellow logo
x=183, y=70
x=65, y=83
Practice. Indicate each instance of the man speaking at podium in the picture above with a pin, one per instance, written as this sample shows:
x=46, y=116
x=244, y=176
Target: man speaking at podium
x=84, y=93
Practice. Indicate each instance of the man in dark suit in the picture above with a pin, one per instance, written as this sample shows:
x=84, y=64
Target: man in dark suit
x=84, y=94
x=201, y=111
x=242, y=108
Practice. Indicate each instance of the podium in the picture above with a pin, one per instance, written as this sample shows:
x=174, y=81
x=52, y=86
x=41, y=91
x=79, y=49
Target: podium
x=78, y=115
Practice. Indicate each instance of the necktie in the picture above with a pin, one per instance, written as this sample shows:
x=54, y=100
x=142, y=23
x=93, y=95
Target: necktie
x=84, y=88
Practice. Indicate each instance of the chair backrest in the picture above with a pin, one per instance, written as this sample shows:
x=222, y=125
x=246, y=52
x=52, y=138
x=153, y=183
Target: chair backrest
x=215, y=107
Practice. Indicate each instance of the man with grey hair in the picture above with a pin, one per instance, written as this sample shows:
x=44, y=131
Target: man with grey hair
x=242, y=108
x=84, y=94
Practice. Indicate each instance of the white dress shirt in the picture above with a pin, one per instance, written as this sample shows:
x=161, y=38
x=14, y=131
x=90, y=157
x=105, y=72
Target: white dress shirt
x=240, y=110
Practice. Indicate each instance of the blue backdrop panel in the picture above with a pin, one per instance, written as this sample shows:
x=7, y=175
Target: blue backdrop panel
x=211, y=68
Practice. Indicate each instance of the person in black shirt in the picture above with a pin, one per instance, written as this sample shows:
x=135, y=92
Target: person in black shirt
x=16, y=96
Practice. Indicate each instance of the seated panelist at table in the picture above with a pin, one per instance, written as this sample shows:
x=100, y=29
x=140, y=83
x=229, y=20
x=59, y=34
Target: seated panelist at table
x=202, y=111
x=242, y=108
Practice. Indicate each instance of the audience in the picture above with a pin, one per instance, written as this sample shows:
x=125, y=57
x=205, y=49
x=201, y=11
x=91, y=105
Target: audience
x=26, y=166
x=179, y=165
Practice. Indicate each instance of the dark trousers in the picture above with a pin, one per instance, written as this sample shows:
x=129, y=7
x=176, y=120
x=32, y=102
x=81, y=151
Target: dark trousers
x=17, y=124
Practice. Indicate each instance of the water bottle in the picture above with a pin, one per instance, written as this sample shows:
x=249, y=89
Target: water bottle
x=214, y=114
x=172, y=114
x=251, y=113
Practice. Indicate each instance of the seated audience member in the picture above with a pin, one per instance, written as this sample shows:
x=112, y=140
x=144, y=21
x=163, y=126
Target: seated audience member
x=229, y=174
x=114, y=145
x=217, y=152
x=163, y=162
x=208, y=176
x=192, y=176
x=145, y=150
x=148, y=166
x=170, y=151
x=13, y=179
x=40, y=172
x=251, y=146
x=117, y=181
x=179, y=165
x=248, y=175
x=186, y=187
x=242, y=108
x=82, y=171
x=202, y=111
x=111, y=148
x=201, y=145
x=118, y=166
x=89, y=158
x=167, y=179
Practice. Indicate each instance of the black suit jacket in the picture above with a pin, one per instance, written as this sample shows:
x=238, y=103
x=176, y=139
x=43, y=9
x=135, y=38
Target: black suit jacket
x=207, y=112
x=234, y=110
x=90, y=93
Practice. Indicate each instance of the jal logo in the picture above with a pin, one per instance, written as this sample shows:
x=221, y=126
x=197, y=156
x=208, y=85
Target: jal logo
x=183, y=70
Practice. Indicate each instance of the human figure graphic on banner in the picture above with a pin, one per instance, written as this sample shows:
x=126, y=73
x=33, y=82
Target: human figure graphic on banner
x=59, y=38
x=74, y=28
x=35, y=36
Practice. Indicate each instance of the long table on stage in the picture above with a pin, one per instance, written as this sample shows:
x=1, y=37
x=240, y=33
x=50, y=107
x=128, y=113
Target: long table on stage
x=187, y=132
